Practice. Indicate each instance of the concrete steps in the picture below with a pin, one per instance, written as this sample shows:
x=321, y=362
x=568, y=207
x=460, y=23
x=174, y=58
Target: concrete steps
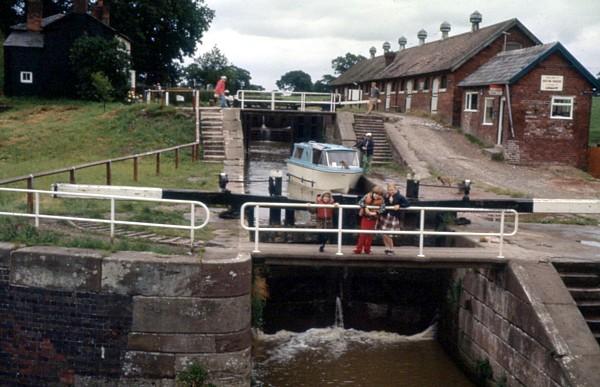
x=583, y=282
x=211, y=127
x=374, y=124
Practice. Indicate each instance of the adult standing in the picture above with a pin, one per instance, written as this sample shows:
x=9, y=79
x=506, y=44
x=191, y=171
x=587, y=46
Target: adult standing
x=390, y=219
x=220, y=91
x=373, y=97
x=368, y=219
x=366, y=147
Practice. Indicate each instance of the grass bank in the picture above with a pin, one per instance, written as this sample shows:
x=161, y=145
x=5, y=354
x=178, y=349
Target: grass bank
x=39, y=135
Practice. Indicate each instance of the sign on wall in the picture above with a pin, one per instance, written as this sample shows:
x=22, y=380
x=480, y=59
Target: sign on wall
x=495, y=90
x=552, y=83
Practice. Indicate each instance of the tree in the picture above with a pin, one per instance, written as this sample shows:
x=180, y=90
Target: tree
x=341, y=64
x=91, y=55
x=296, y=80
x=208, y=68
x=162, y=32
x=102, y=87
x=322, y=85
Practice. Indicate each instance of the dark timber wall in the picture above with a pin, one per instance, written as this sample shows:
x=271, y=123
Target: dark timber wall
x=76, y=317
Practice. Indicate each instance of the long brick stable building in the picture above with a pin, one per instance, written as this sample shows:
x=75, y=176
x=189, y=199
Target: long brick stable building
x=498, y=83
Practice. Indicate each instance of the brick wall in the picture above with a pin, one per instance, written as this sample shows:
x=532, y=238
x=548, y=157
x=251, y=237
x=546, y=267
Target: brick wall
x=76, y=317
x=523, y=321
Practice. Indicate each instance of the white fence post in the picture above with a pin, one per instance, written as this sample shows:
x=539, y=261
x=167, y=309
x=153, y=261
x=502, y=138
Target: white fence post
x=421, y=233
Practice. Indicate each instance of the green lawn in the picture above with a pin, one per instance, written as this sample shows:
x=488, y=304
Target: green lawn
x=595, y=122
x=40, y=135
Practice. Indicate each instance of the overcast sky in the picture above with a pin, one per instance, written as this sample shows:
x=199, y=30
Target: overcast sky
x=272, y=37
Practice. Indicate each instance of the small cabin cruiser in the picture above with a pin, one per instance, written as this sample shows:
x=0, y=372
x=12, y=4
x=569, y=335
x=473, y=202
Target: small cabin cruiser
x=327, y=167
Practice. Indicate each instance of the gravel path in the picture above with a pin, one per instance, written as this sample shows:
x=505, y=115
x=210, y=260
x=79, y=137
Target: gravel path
x=432, y=150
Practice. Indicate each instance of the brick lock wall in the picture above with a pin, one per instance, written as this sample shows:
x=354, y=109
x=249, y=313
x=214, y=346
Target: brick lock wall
x=543, y=139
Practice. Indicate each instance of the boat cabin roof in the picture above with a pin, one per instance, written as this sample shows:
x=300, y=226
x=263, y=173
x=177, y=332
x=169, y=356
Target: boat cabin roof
x=323, y=146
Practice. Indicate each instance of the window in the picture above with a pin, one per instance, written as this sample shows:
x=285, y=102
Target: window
x=426, y=84
x=317, y=157
x=488, y=109
x=562, y=107
x=471, y=101
x=343, y=159
x=443, y=82
x=298, y=153
x=419, y=84
x=26, y=77
x=402, y=85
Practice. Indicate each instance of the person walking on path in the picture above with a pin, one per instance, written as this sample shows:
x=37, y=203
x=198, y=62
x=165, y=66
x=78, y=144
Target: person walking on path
x=373, y=97
x=324, y=217
x=368, y=219
x=366, y=147
x=220, y=91
x=390, y=219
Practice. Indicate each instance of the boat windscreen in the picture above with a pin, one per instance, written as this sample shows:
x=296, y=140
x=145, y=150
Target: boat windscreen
x=342, y=159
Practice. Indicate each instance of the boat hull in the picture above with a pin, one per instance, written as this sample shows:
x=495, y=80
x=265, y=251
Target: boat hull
x=335, y=180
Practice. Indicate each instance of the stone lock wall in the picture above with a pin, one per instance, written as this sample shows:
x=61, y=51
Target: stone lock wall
x=76, y=317
x=523, y=322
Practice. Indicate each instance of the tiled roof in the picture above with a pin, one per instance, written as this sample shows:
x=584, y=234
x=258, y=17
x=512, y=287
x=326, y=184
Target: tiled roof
x=45, y=22
x=505, y=66
x=510, y=66
x=24, y=39
x=439, y=55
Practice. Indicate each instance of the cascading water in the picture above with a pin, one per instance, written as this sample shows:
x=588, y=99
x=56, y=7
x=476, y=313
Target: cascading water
x=339, y=313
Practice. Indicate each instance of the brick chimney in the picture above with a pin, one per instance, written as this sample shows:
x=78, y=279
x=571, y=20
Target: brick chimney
x=80, y=6
x=34, y=15
x=102, y=11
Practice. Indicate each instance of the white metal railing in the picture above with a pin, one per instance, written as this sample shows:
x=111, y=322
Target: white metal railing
x=192, y=227
x=421, y=232
x=302, y=99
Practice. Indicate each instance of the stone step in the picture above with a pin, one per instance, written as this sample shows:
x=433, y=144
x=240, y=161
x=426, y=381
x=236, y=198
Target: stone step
x=577, y=267
x=585, y=293
x=580, y=280
x=589, y=308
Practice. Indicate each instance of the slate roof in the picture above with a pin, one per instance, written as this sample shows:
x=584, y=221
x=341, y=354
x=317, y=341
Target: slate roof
x=45, y=22
x=439, y=55
x=510, y=66
x=24, y=39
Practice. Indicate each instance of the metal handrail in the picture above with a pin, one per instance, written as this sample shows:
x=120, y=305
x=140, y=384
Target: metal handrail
x=112, y=221
x=331, y=99
x=421, y=232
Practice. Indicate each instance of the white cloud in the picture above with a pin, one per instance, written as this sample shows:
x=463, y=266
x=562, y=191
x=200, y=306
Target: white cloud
x=271, y=37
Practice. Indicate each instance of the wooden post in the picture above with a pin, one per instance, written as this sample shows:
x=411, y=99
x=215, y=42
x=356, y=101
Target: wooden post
x=135, y=169
x=176, y=158
x=30, y=194
x=72, y=176
x=108, y=173
x=157, y=164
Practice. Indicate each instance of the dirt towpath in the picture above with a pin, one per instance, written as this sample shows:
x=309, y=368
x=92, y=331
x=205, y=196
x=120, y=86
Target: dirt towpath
x=432, y=150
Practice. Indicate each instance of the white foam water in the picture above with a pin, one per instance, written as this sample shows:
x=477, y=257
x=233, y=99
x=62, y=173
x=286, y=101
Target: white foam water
x=334, y=341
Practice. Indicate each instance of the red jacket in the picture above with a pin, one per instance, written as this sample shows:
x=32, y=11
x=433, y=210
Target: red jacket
x=220, y=88
x=324, y=213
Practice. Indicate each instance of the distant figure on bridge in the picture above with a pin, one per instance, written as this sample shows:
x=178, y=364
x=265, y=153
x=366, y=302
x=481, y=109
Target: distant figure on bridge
x=390, y=219
x=368, y=219
x=373, y=97
x=324, y=217
x=220, y=91
x=366, y=147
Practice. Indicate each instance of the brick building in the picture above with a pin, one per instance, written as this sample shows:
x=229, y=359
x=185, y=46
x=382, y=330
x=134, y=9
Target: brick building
x=430, y=78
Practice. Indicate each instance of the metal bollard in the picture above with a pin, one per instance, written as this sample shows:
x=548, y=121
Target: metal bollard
x=412, y=188
x=275, y=189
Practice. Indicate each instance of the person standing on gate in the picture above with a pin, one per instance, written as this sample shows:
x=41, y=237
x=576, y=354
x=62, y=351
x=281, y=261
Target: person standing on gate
x=390, y=219
x=324, y=217
x=373, y=97
x=366, y=147
x=220, y=91
x=368, y=219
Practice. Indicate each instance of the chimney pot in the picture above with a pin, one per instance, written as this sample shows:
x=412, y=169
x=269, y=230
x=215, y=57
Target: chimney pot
x=372, y=51
x=475, y=19
x=80, y=6
x=402, y=42
x=422, y=35
x=445, y=28
x=34, y=15
x=386, y=47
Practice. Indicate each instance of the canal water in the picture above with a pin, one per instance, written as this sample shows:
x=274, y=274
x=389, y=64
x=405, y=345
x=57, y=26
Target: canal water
x=334, y=356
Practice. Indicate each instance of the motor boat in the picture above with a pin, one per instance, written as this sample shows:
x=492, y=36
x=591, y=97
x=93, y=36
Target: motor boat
x=325, y=167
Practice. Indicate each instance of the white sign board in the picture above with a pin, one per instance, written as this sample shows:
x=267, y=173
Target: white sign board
x=552, y=83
